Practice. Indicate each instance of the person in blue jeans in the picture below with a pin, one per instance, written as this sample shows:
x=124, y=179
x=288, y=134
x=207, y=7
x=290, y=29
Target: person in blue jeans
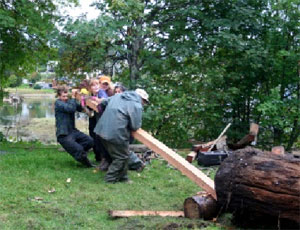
x=72, y=140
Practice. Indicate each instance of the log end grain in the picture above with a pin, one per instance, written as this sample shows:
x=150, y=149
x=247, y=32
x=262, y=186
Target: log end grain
x=200, y=206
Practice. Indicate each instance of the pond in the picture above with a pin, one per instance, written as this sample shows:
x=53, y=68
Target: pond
x=33, y=120
x=30, y=108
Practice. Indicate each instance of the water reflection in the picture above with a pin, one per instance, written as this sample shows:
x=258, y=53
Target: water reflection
x=30, y=108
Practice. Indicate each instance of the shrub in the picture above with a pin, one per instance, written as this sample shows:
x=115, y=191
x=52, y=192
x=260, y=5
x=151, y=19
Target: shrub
x=2, y=137
x=36, y=86
x=14, y=81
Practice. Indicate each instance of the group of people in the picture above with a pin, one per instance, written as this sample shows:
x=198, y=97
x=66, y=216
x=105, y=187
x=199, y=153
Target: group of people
x=119, y=113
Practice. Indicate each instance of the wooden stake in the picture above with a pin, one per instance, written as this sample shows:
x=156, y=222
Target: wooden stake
x=219, y=137
x=278, y=150
x=177, y=161
x=254, y=129
x=191, y=156
x=129, y=213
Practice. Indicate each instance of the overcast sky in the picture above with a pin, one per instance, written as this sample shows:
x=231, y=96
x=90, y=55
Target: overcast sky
x=83, y=8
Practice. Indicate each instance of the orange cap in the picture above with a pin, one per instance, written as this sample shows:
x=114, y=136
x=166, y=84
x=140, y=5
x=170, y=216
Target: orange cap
x=104, y=79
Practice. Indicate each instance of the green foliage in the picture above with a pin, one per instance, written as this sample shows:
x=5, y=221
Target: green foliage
x=14, y=81
x=25, y=29
x=205, y=64
x=34, y=77
x=37, y=86
x=2, y=137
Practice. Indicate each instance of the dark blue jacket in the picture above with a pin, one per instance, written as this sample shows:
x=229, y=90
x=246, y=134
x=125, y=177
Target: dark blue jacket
x=65, y=116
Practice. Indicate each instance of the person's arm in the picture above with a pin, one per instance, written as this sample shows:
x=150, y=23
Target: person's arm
x=78, y=106
x=68, y=107
x=135, y=117
x=102, y=94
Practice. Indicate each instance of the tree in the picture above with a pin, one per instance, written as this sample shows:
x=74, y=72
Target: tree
x=204, y=63
x=24, y=34
x=230, y=59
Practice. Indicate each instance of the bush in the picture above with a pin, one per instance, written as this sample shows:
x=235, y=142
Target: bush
x=36, y=86
x=14, y=81
x=2, y=137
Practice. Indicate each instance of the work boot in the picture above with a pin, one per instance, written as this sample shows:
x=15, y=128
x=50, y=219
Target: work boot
x=141, y=168
x=86, y=162
x=104, y=165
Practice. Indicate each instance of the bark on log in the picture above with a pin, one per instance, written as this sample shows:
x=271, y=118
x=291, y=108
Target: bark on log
x=260, y=188
x=200, y=206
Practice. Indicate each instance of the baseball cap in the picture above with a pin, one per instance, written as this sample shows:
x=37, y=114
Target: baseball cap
x=143, y=94
x=104, y=79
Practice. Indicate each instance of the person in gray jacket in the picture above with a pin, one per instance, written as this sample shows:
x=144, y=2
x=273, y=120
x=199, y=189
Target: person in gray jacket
x=121, y=116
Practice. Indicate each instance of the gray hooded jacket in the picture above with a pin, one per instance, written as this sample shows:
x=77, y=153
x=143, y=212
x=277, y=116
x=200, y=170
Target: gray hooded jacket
x=123, y=114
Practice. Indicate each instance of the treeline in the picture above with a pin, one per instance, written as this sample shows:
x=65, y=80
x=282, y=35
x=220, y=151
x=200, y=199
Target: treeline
x=204, y=63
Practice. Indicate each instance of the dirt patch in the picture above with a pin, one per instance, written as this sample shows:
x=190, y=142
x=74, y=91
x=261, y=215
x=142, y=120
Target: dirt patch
x=39, y=129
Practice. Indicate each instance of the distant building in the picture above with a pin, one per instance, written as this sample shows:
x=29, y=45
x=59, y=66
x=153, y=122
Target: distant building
x=51, y=66
x=25, y=81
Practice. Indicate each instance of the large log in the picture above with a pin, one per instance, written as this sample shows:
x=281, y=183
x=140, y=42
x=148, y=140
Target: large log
x=260, y=188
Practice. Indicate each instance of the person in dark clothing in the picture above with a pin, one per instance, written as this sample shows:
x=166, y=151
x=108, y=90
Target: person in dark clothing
x=122, y=114
x=101, y=153
x=72, y=140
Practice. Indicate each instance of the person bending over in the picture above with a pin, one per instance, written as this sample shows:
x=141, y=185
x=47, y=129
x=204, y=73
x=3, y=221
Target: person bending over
x=72, y=140
x=122, y=114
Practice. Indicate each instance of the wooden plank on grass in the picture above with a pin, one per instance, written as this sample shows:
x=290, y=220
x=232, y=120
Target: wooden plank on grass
x=177, y=161
x=129, y=213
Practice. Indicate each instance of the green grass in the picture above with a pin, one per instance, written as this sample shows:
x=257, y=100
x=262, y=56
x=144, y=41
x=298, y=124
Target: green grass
x=28, y=171
x=25, y=90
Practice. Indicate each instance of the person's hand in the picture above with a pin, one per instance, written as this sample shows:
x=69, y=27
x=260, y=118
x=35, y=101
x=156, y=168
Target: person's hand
x=74, y=91
x=98, y=100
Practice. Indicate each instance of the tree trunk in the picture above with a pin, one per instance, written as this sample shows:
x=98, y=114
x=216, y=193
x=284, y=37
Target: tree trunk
x=260, y=188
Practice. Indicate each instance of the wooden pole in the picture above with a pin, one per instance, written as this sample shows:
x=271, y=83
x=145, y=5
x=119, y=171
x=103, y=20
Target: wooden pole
x=169, y=155
x=216, y=141
x=177, y=161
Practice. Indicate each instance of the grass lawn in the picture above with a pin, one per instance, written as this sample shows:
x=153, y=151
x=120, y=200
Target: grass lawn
x=35, y=194
x=28, y=90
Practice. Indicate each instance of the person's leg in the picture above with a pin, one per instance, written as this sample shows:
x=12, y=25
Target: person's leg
x=84, y=140
x=73, y=148
x=103, y=150
x=117, y=170
x=97, y=150
x=106, y=159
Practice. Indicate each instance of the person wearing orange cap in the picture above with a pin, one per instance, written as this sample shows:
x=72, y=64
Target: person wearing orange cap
x=105, y=88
